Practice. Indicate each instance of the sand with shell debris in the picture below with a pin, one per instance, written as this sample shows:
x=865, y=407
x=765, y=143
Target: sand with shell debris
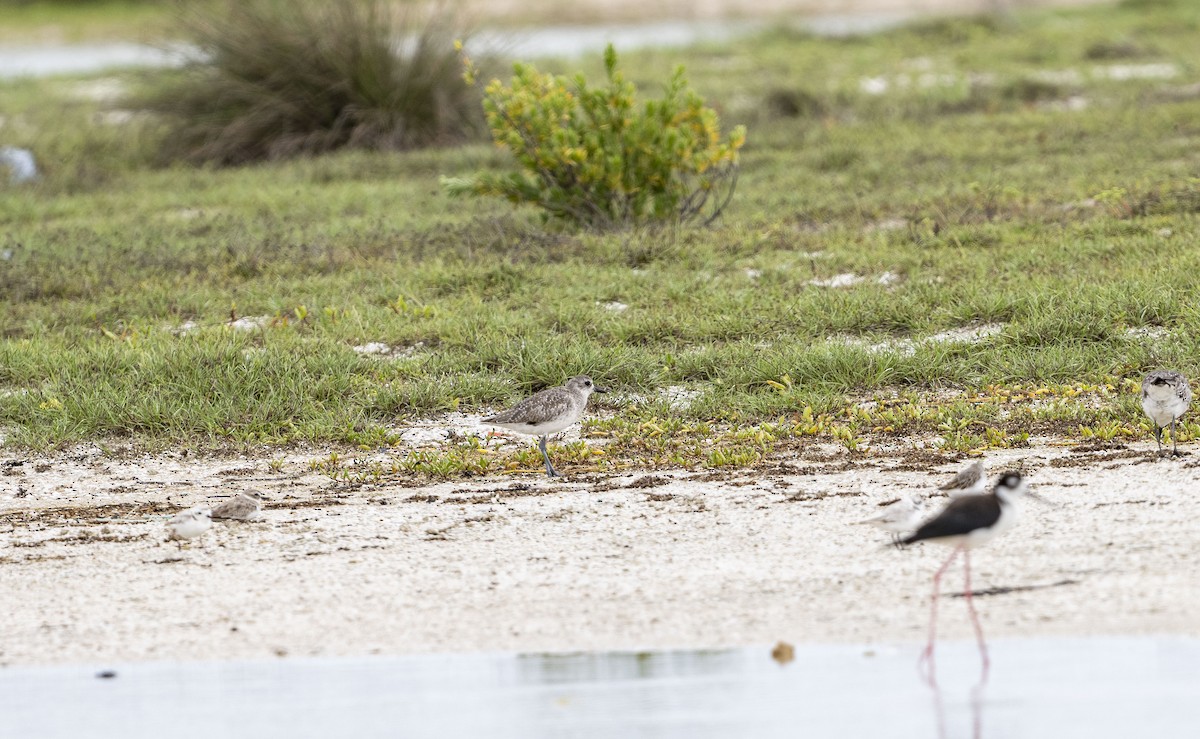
x=641, y=560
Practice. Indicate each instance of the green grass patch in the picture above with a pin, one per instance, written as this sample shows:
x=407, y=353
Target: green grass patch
x=960, y=196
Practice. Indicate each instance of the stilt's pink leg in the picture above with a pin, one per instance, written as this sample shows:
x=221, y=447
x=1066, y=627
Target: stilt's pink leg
x=974, y=615
x=927, y=655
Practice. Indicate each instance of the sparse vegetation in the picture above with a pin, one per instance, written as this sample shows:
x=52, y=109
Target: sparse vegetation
x=216, y=307
x=278, y=78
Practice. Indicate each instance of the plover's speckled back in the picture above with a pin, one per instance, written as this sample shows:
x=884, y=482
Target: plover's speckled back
x=188, y=525
x=967, y=522
x=246, y=506
x=548, y=412
x=1165, y=397
x=899, y=517
x=970, y=480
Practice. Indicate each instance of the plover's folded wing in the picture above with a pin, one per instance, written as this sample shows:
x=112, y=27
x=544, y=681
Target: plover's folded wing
x=544, y=407
x=237, y=507
x=966, y=478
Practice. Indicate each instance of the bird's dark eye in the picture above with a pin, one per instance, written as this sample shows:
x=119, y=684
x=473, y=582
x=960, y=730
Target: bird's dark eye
x=587, y=383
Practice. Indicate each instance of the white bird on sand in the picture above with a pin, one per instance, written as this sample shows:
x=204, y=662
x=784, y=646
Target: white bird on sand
x=188, y=525
x=1165, y=397
x=899, y=517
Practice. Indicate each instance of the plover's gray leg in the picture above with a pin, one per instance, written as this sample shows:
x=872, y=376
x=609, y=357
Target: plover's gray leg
x=550, y=471
x=1158, y=436
x=1174, y=440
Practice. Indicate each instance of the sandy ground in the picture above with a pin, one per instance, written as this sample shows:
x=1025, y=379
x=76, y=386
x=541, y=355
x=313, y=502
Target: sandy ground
x=645, y=560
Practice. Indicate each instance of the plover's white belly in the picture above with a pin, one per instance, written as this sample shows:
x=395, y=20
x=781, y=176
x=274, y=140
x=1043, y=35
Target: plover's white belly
x=1163, y=410
x=542, y=429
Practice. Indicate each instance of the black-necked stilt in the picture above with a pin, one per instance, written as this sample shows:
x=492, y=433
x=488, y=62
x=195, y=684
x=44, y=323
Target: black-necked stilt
x=548, y=412
x=1165, y=397
x=965, y=523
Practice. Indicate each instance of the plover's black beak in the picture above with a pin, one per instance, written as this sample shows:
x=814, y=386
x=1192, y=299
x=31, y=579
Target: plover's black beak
x=598, y=389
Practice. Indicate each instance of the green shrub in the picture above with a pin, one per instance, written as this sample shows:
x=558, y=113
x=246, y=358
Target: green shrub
x=587, y=156
x=279, y=78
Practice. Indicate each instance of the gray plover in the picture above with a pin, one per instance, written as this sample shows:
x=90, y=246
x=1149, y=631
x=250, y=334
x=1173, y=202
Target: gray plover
x=971, y=480
x=188, y=525
x=965, y=523
x=1165, y=397
x=898, y=518
x=246, y=506
x=548, y=412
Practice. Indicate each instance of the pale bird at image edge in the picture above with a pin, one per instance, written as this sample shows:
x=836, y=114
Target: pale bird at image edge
x=1166, y=396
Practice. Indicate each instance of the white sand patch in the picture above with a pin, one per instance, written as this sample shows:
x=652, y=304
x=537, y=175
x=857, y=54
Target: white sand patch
x=874, y=85
x=888, y=278
x=451, y=426
x=1071, y=104
x=887, y=224
x=647, y=560
x=752, y=273
x=116, y=117
x=907, y=347
x=373, y=347
x=1158, y=71
x=380, y=350
x=1148, y=333
x=678, y=396
x=102, y=90
x=614, y=306
x=843, y=280
x=968, y=334
x=248, y=323
x=1057, y=76
x=184, y=328
x=186, y=214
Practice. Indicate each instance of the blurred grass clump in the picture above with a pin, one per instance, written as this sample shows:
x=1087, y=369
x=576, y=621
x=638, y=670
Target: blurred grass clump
x=274, y=79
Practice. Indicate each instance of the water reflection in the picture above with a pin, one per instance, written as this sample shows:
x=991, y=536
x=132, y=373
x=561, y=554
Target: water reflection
x=975, y=703
x=1038, y=689
x=554, y=667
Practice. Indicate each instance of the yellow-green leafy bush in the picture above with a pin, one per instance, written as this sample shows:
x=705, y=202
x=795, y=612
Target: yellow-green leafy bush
x=590, y=155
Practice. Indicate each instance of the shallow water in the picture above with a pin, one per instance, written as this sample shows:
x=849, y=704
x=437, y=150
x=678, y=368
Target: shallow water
x=1039, y=688
x=551, y=41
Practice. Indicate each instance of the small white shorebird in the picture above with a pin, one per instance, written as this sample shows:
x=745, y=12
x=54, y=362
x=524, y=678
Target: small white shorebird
x=246, y=506
x=548, y=412
x=965, y=523
x=1165, y=397
x=899, y=517
x=188, y=525
x=970, y=480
